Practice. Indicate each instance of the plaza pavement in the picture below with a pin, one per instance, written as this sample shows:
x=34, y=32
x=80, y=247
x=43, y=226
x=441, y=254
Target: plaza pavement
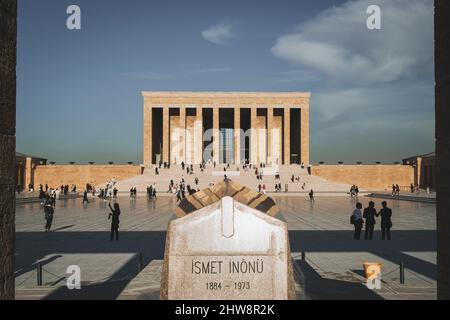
x=333, y=267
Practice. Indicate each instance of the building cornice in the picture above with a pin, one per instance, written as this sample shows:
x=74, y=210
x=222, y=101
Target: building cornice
x=234, y=94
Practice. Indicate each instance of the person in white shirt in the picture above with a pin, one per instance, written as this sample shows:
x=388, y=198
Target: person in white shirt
x=357, y=221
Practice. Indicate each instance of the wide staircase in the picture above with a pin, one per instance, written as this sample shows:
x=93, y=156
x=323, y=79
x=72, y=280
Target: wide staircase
x=212, y=175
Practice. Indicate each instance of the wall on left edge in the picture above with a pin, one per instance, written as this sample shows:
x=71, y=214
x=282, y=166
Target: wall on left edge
x=8, y=36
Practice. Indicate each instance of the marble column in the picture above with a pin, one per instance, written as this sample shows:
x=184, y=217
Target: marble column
x=182, y=139
x=198, y=131
x=148, y=159
x=216, y=135
x=287, y=135
x=165, y=134
x=253, y=136
x=269, y=135
x=28, y=173
x=304, y=136
x=237, y=135
x=418, y=172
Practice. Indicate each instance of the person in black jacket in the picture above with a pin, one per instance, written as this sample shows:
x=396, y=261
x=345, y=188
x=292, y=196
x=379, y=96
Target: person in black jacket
x=369, y=214
x=49, y=211
x=357, y=220
x=85, y=197
x=115, y=213
x=386, y=222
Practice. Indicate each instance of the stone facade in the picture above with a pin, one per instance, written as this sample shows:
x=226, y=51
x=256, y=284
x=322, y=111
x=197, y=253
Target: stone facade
x=80, y=175
x=369, y=177
x=269, y=118
x=424, y=170
x=8, y=36
x=442, y=74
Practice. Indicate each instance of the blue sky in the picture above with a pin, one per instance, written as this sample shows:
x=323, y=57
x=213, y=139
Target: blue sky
x=78, y=91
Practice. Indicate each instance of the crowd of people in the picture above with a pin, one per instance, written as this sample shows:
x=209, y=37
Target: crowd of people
x=181, y=189
x=151, y=191
x=108, y=192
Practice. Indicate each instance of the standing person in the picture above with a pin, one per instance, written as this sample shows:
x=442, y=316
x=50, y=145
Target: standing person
x=386, y=222
x=85, y=197
x=357, y=221
x=412, y=188
x=154, y=190
x=115, y=193
x=48, y=211
x=150, y=192
x=397, y=189
x=369, y=214
x=311, y=195
x=115, y=213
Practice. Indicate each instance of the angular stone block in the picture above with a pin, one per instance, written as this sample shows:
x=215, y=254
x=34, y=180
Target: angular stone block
x=227, y=251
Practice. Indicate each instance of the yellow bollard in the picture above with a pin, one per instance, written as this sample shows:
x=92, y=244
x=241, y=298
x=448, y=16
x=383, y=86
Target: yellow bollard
x=371, y=267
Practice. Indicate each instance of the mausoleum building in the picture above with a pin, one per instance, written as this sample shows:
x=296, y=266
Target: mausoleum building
x=226, y=127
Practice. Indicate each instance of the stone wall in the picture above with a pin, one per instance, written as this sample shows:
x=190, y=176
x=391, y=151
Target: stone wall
x=96, y=175
x=369, y=177
x=8, y=34
x=442, y=63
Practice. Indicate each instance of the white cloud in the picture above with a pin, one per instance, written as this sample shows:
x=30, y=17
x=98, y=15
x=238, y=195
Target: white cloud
x=219, y=34
x=338, y=44
x=376, y=84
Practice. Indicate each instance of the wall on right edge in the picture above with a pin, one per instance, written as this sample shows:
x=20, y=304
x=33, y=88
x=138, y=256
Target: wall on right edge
x=442, y=94
x=369, y=177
